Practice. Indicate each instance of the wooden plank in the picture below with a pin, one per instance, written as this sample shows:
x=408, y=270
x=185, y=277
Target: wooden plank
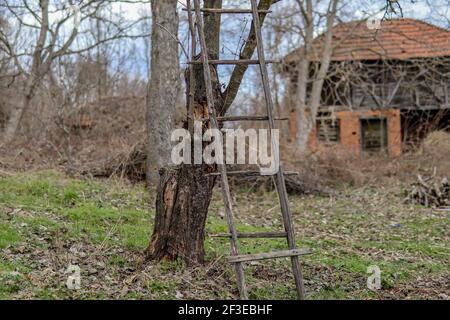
x=232, y=62
x=261, y=235
x=222, y=168
x=244, y=118
x=280, y=180
x=251, y=173
x=193, y=51
x=230, y=11
x=269, y=255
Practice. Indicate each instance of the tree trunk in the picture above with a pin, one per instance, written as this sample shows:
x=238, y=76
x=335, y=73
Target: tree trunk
x=184, y=195
x=308, y=107
x=163, y=87
x=302, y=121
x=38, y=70
x=17, y=113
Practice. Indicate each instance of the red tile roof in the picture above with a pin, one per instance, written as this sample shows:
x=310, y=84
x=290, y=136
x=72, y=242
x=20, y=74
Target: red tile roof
x=396, y=39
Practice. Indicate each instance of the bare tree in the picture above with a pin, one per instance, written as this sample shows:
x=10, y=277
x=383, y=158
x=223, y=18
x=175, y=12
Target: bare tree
x=35, y=61
x=306, y=94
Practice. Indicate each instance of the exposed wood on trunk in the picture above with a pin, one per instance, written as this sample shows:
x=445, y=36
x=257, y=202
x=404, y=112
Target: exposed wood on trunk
x=184, y=195
x=182, y=233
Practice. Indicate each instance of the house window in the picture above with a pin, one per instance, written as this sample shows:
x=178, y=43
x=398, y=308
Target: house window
x=328, y=130
x=374, y=134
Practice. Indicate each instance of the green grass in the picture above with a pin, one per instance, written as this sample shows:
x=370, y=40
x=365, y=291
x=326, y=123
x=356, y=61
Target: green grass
x=8, y=236
x=48, y=221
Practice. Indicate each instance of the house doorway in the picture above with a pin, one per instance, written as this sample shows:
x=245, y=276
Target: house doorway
x=374, y=135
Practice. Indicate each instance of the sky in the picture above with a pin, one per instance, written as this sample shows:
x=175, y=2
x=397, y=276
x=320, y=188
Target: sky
x=434, y=11
x=418, y=9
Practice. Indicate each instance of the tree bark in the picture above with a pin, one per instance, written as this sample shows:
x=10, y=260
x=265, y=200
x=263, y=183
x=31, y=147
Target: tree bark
x=184, y=193
x=38, y=69
x=17, y=113
x=163, y=87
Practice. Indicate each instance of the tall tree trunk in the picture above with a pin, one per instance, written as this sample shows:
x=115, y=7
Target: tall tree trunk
x=184, y=194
x=39, y=68
x=18, y=112
x=163, y=87
x=302, y=121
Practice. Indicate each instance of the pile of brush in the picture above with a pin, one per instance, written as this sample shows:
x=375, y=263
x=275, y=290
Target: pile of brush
x=296, y=184
x=432, y=192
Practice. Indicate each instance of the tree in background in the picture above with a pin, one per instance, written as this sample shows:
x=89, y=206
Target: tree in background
x=40, y=33
x=304, y=105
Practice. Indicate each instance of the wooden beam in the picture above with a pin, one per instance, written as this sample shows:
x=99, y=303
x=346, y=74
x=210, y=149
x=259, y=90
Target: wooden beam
x=244, y=118
x=280, y=179
x=251, y=173
x=232, y=62
x=230, y=11
x=261, y=235
x=269, y=255
x=394, y=92
x=221, y=167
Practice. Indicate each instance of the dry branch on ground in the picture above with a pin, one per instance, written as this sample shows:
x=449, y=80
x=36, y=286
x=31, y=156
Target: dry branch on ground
x=430, y=191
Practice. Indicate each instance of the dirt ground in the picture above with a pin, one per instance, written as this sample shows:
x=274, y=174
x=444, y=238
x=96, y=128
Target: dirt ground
x=49, y=222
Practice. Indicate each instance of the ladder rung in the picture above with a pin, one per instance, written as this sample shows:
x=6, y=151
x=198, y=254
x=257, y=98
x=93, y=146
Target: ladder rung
x=244, y=118
x=269, y=255
x=251, y=173
x=261, y=235
x=231, y=62
x=230, y=11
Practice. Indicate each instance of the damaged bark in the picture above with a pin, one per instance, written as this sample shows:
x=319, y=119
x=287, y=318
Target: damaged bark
x=184, y=195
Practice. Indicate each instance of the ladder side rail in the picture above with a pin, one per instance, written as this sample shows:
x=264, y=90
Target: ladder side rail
x=222, y=168
x=192, y=32
x=281, y=183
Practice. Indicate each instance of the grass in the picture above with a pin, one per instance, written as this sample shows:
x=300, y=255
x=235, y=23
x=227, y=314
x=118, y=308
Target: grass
x=48, y=222
x=8, y=236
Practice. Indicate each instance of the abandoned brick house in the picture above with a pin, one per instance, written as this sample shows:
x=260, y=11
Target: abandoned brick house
x=385, y=89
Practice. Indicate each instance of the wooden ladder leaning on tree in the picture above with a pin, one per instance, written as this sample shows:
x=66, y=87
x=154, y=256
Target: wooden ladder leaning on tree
x=197, y=30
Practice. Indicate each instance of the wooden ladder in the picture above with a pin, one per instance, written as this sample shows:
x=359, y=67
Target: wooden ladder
x=233, y=235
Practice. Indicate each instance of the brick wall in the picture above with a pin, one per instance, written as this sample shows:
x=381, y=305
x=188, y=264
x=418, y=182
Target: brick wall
x=350, y=130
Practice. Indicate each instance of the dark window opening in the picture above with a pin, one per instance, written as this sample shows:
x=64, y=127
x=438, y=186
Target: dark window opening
x=328, y=130
x=374, y=134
